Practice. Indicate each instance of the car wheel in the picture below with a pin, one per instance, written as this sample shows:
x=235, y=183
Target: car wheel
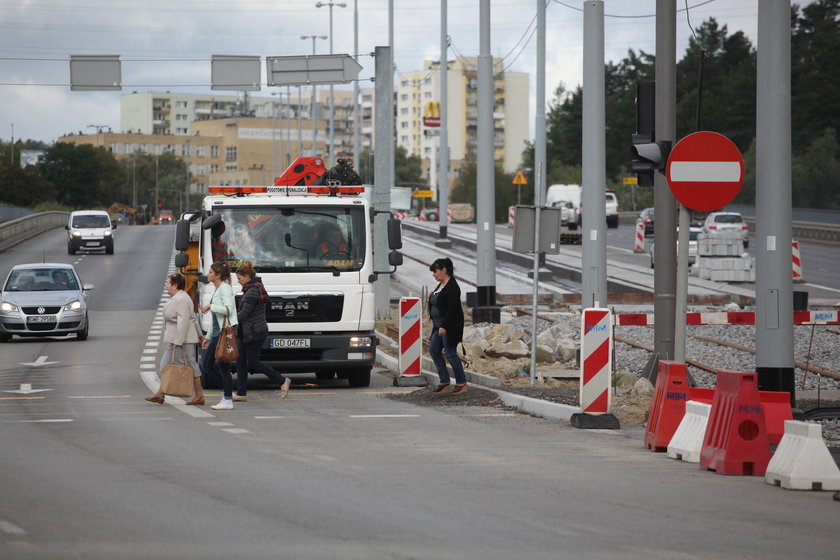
x=5, y=337
x=359, y=377
x=70, y=250
x=432, y=217
x=83, y=334
x=109, y=250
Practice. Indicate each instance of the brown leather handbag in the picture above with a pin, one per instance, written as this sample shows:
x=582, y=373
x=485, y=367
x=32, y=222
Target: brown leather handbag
x=227, y=350
x=177, y=381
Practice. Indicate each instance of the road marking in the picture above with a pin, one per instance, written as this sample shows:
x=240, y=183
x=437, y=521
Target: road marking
x=44, y=421
x=193, y=411
x=152, y=351
x=26, y=388
x=19, y=398
x=11, y=528
x=99, y=396
x=236, y=430
x=386, y=392
x=384, y=416
x=268, y=417
x=500, y=414
x=219, y=424
x=152, y=343
x=41, y=361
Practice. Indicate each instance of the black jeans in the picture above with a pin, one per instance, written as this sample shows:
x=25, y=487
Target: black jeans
x=249, y=359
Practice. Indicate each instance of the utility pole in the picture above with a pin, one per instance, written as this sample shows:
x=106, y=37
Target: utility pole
x=383, y=176
x=443, y=157
x=313, y=102
x=357, y=117
x=331, y=147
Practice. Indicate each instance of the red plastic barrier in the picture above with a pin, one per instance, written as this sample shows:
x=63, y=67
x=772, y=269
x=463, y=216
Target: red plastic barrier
x=776, y=405
x=736, y=439
x=701, y=394
x=668, y=406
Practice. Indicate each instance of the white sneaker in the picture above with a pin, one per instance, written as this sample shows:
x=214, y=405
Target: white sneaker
x=224, y=404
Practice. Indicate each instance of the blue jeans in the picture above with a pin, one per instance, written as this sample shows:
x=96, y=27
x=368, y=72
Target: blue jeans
x=219, y=372
x=440, y=343
x=249, y=359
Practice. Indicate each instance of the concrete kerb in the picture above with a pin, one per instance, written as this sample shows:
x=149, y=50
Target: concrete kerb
x=528, y=405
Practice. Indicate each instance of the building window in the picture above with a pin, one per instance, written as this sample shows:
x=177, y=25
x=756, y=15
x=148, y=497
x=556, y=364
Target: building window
x=214, y=151
x=214, y=168
x=200, y=151
x=230, y=154
x=185, y=150
x=230, y=168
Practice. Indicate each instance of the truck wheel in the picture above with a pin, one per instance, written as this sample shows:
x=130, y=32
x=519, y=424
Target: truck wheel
x=359, y=377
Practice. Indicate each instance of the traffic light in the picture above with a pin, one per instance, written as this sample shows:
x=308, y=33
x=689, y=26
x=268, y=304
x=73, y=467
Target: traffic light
x=648, y=155
x=159, y=203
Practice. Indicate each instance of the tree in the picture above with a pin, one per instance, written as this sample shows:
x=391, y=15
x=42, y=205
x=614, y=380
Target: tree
x=816, y=174
x=408, y=169
x=83, y=176
x=464, y=189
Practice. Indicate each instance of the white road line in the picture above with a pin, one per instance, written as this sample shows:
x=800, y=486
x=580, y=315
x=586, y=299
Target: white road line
x=384, y=416
x=150, y=351
x=45, y=421
x=193, y=411
x=268, y=417
x=11, y=528
x=236, y=430
x=153, y=342
x=219, y=424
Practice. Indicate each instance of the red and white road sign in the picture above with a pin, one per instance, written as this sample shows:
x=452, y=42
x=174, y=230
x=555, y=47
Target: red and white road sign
x=595, y=360
x=705, y=171
x=410, y=344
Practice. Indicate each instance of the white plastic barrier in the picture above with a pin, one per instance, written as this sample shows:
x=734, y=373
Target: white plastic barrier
x=687, y=441
x=802, y=461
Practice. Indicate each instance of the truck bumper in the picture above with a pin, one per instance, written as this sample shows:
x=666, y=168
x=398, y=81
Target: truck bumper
x=308, y=352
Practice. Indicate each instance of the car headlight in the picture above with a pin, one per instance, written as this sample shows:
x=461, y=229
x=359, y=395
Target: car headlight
x=107, y=234
x=73, y=306
x=7, y=307
x=76, y=233
x=360, y=341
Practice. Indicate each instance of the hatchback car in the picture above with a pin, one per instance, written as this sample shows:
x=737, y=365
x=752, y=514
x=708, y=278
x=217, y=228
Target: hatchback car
x=43, y=299
x=727, y=222
x=646, y=217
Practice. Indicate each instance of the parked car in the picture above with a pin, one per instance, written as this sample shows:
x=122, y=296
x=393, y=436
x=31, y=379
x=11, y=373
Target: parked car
x=43, y=299
x=692, y=245
x=90, y=230
x=612, y=210
x=568, y=213
x=646, y=218
x=727, y=222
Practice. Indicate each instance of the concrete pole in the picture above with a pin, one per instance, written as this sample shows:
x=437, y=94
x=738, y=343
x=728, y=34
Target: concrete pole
x=773, y=279
x=357, y=116
x=390, y=100
x=486, y=310
x=384, y=178
x=300, y=127
x=540, y=166
x=443, y=157
x=665, y=236
x=594, y=253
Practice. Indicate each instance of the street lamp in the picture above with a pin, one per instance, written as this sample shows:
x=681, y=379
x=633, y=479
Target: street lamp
x=312, y=104
x=331, y=147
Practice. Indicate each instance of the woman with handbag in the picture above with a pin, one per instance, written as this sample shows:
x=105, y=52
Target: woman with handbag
x=181, y=333
x=447, y=317
x=224, y=318
x=253, y=330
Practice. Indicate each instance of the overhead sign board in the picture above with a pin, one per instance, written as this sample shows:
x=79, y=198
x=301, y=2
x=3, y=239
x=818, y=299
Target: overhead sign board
x=237, y=73
x=705, y=171
x=311, y=69
x=95, y=73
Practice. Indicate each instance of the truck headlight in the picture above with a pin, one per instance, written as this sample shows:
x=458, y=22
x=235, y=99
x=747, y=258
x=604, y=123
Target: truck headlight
x=76, y=233
x=73, y=306
x=360, y=341
x=7, y=307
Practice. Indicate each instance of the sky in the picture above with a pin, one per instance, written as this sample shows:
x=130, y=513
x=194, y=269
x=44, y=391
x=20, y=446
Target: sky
x=166, y=45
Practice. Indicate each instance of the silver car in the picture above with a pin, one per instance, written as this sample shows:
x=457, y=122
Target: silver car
x=43, y=299
x=727, y=222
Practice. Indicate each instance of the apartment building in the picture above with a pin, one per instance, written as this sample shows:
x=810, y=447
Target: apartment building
x=510, y=112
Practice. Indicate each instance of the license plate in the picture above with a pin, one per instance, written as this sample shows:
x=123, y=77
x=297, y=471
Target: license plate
x=41, y=319
x=289, y=343
x=92, y=243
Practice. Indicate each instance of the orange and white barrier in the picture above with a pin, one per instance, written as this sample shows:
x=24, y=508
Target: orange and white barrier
x=797, y=262
x=410, y=345
x=730, y=318
x=511, y=216
x=595, y=360
x=639, y=245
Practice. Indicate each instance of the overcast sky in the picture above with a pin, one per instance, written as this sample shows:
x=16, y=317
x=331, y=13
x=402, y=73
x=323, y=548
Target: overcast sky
x=167, y=44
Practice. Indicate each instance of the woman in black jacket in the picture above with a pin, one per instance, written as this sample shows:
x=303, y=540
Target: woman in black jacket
x=447, y=328
x=253, y=330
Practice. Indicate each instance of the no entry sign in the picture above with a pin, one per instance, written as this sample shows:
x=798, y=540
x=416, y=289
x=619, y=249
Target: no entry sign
x=705, y=171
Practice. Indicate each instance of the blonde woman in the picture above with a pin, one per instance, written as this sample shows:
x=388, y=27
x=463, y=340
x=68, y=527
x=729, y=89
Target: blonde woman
x=222, y=306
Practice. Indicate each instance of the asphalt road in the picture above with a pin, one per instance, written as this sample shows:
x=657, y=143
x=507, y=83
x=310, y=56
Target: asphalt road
x=90, y=470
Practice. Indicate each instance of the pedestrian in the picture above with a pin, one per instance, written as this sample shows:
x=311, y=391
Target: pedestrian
x=447, y=318
x=181, y=333
x=222, y=306
x=253, y=330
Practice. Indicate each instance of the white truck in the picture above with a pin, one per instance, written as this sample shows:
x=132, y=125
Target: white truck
x=321, y=309
x=562, y=195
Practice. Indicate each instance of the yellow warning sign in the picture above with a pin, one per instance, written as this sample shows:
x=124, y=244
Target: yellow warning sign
x=520, y=179
x=423, y=194
x=630, y=180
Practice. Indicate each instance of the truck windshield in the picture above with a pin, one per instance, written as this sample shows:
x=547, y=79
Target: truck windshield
x=299, y=239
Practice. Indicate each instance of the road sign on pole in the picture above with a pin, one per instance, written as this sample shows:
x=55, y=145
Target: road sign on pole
x=520, y=179
x=705, y=171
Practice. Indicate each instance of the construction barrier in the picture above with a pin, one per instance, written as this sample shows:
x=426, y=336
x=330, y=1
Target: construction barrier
x=777, y=411
x=668, y=407
x=410, y=345
x=802, y=461
x=511, y=216
x=687, y=441
x=736, y=439
x=639, y=245
x=797, y=262
x=730, y=318
x=595, y=360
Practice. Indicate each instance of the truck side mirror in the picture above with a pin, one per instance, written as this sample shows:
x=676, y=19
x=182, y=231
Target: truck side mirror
x=395, y=258
x=394, y=234
x=182, y=260
x=182, y=235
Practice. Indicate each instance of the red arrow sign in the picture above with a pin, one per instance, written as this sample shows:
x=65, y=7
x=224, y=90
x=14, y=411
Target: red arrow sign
x=705, y=171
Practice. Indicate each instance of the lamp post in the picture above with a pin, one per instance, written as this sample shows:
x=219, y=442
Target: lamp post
x=312, y=104
x=331, y=146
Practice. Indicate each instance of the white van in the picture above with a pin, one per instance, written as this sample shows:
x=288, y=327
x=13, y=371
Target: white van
x=90, y=230
x=567, y=193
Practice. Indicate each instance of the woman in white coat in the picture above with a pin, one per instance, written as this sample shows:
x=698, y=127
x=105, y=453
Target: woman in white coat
x=181, y=333
x=222, y=305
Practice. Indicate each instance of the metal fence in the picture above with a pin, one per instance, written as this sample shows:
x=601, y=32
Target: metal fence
x=18, y=229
